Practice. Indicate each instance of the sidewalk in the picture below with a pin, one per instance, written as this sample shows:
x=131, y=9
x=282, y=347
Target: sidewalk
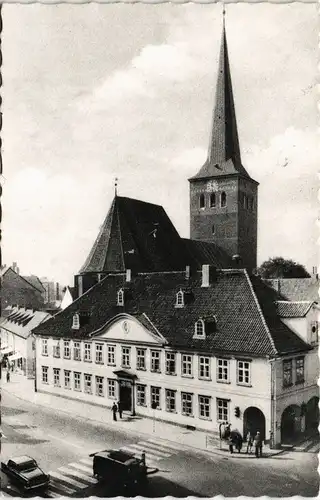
x=203, y=442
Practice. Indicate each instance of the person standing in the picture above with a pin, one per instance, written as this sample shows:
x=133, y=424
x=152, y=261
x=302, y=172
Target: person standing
x=120, y=409
x=114, y=411
x=258, y=445
x=8, y=376
x=249, y=442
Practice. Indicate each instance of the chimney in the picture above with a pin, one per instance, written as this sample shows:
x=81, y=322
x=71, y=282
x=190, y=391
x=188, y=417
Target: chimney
x=14, y=266
x=80, y=286
x=208, y=275
x=187, y=272
x=128, y=275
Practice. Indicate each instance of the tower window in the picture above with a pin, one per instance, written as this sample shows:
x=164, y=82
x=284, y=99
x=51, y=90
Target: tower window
x=180, y=299
x=213, y=229
x=223, y=199
x=212, y=200
x=201, y=201
x=120, y=298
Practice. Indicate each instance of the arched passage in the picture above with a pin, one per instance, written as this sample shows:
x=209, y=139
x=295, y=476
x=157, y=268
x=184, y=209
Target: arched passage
x=312, y=414
x=290, y=424
x=253, y=421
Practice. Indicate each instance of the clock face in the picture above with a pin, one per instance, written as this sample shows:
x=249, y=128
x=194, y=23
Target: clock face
x=212, y=186
x=126, y=327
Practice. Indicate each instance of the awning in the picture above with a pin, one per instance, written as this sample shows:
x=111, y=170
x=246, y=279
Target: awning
x=6, y=350
x=15, y=356
x=125, y=374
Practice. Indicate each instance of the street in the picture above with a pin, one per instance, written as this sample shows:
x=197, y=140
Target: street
x=62, y=443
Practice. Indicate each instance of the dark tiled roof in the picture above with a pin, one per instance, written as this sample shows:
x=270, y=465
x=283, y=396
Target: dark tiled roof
x=35, y=282
x=203, y=252
x=15, y=289
x=231, y=299
x=296, y=289
x=293, y=309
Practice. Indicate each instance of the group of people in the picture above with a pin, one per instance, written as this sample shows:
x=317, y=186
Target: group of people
x=256, y=442
x=235, y=440
x=116, y=408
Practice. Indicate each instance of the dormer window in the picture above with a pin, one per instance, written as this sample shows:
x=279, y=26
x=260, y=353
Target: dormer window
x=76, y=322
x=223, y=199
x=201, y=201
x=180, y=299
x=212, y=200
x=120, y=297
x=199, y=330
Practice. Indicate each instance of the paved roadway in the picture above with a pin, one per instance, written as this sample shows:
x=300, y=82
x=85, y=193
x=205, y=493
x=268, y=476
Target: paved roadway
x=62, y=444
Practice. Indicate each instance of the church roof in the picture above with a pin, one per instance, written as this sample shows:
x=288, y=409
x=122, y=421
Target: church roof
x=140, y=236
x=243, y=324
x=224, y=156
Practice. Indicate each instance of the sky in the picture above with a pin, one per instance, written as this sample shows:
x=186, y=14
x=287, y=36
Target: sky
x=94, y=92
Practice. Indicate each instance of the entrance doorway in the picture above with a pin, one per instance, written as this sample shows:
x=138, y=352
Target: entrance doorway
x=125, y=394
x=254, y=421
x=290, y=424
x=312, y=415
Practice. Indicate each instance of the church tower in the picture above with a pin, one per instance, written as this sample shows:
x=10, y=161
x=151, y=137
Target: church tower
x=223, y=196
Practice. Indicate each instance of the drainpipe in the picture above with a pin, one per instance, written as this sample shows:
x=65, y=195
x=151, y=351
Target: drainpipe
x=133, y=413
x=273, y=408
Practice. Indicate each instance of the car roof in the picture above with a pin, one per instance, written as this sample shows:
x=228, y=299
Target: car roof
x=119, y=455
x=21, y=459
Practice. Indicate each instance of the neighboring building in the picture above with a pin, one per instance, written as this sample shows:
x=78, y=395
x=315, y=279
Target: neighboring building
x=206, y=348
x=52, y=293
x=67, y=298
x=296, y=288
x=25, y=291
x=16, y=326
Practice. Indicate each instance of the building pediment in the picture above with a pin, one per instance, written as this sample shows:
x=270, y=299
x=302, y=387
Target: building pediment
x=126, y=328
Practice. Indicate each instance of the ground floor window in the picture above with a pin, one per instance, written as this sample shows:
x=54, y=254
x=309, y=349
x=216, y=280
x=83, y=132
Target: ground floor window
x=87, y=383
x=56, y=377
x=170, y=400
x=222, y=410
x=67, y=379
x=141, y=395
x=111, y=388
x=99, y=386
x=155, y=396
x=204, y=407
x=45, y=374
x=186, y=404
x=77, y=381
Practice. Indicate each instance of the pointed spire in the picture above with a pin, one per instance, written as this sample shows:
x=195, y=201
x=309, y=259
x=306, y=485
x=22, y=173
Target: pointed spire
x=224, y=141
x=116, y=186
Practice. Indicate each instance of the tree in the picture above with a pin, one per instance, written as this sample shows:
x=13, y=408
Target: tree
x=278, y=267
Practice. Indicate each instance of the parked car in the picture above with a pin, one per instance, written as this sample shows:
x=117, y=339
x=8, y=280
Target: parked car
x=25, y=473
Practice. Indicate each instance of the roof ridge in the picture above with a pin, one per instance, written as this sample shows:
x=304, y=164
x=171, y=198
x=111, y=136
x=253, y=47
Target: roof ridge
x=294, y=301
x=260, y=310
x=119, y=226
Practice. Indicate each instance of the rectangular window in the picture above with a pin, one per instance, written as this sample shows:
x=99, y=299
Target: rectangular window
x=44, y=347
x=125, y=362
x=77, y=351
x=170, y=400
x=155, y=396
x=88, y=383
x=141, y=395
x=204, y=407
x=186, y=404
x=186, y=365
x=67, y=379
x=99, y=354
x=222, y=410
x=223, y=370
x=66, y=349
x=56, y=349
x=155, y=361
x=111, y=389
x=87, y=352
x=170, y=363
x=299, y=370
x=77, y=381
x=56, y=377
x=99, y=386
x=204, y=367
x=243, y=372
x=287, y=372
x=141, y=359
x=45, y=375
x=111, y=355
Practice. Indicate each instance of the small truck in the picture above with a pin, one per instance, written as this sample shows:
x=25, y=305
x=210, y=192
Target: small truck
x=120, y=470
x=24, y=472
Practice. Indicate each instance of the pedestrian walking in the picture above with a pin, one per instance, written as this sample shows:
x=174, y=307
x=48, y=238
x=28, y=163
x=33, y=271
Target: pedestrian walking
x=8, y=376
x=114, y=411
x=258, y=445
x=249, y=442
x=231, y=444
x=120, y=409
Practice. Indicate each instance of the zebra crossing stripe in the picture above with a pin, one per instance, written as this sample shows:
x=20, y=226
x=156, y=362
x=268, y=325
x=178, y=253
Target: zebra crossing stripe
x=56, y=486
x=53, y=494
x=81, y=476
x=149, y=451
x=148, y=445
x=84, y=468
x=88, y=461
x=149, y=462
x=67, y=480
x=159, y=442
